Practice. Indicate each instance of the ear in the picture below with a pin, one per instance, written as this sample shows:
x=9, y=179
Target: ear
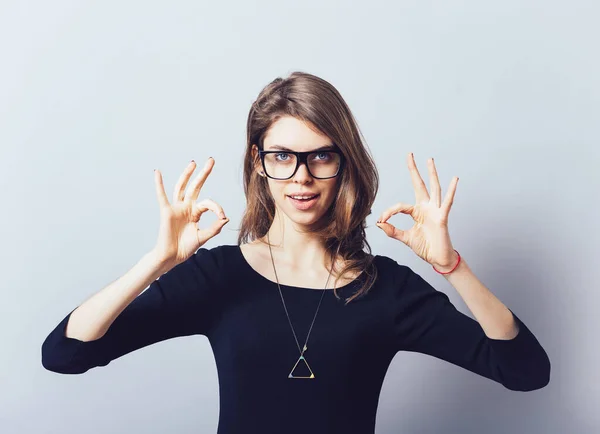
x=256, y=160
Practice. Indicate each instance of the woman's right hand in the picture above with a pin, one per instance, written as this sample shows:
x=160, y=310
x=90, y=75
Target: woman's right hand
x=179, y=237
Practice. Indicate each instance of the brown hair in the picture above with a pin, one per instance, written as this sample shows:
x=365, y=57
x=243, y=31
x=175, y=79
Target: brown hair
x=315, y=101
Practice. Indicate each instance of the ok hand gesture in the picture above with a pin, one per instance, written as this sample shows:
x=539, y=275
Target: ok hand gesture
x=179, y=237
x=429, y=237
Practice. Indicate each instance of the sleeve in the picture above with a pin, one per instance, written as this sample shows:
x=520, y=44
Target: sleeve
x=182, y=302
x=425, y=321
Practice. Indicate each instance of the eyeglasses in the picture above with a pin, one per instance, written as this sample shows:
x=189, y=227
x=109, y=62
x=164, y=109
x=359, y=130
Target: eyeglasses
x=284, y=164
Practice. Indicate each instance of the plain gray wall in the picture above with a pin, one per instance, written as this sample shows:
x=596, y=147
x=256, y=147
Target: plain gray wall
x=95, y=95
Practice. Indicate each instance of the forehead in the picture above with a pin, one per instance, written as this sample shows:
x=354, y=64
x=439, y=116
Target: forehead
x=294, y=134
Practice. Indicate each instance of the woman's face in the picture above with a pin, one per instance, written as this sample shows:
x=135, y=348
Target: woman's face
x=296, y=135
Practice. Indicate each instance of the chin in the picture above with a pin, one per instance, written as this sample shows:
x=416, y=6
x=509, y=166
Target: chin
x=304, y=218
x=307, y=219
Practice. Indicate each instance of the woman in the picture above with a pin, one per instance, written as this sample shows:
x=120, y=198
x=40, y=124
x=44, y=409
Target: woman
x=302, y=321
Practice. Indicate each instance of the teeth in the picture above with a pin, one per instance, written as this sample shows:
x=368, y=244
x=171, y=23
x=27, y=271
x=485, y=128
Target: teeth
x=302, y=197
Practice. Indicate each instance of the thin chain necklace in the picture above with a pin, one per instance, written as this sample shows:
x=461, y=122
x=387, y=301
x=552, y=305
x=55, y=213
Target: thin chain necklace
x=301, y=358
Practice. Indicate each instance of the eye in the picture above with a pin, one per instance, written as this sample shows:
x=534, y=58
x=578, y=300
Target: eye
x=325, y=155
x=285, y=154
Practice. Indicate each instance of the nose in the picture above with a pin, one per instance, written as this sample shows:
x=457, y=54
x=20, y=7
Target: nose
x=302, y=174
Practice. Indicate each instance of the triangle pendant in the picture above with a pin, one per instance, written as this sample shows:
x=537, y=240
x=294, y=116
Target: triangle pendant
x=301, y=370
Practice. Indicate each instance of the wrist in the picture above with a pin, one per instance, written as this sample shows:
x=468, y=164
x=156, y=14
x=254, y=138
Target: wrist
x=449, y=267
x=160, y=262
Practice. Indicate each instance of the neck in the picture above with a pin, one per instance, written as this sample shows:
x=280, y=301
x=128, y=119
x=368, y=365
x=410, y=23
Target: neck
x=295, y=246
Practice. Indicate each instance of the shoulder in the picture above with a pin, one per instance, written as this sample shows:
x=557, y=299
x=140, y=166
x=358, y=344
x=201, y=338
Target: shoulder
x=211, y=261
x=391, y=267
x=217, y=254
x=405, y=282
x=410, y=291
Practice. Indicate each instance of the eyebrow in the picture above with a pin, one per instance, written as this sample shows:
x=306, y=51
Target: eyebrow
x=283, y=148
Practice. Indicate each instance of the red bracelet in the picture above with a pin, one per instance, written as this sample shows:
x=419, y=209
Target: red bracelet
x=448, y=272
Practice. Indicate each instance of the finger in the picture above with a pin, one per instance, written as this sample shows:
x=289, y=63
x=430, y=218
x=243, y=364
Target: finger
x=163, y=200
x=206, y=234
x=434, y=183
x=449, y=199
x=198, y=182
x=400, y=207
x=420, y=190
x=394, y=232
x=201, y=207
x=182, y=181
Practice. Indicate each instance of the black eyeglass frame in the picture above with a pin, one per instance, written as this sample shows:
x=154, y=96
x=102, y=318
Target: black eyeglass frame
x=301, y=157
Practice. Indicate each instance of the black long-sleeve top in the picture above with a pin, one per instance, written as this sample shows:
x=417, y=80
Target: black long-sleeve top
x=218, y=294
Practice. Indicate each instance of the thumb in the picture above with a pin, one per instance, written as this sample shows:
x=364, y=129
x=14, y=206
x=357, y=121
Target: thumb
x=393, y=232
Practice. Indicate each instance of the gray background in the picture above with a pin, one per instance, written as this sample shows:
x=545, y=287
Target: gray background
x=95, y=95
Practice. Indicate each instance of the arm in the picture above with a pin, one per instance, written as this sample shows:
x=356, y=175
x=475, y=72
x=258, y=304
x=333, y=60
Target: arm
x=426, y=321
x=494, y=317
x=91, y=319
x=181, y=302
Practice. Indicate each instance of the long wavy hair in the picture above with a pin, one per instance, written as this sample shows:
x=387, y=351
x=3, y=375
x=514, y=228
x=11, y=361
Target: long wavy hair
x=342, y=228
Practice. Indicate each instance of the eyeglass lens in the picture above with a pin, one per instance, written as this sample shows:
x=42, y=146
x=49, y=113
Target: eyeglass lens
x=320, y=164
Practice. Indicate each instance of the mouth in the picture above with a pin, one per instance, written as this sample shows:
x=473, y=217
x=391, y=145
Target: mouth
x=304, y=203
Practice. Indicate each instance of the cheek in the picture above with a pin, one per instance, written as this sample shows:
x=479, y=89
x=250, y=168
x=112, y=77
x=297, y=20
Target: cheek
x=277, y=191
x=330, y=190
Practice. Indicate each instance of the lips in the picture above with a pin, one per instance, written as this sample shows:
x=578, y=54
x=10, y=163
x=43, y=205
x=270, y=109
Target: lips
x=302, y=197
x=304, y=204
x=304, y=194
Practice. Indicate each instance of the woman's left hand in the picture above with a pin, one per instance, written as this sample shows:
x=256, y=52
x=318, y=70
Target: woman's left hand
x=429, y=237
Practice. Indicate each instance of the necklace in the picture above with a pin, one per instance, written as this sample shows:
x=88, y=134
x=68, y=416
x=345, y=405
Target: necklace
x=301, y=358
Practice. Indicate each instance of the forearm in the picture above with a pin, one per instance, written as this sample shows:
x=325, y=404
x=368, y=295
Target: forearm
x=92, y=318
x=494, y=317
